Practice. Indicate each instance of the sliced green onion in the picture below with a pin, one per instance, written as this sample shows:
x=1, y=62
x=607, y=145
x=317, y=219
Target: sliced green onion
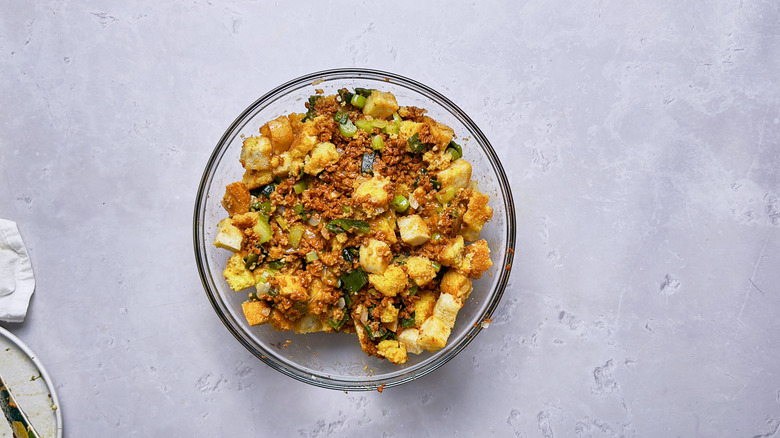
x=250, y=261
x=365, y=92
x=344, y=225
x=345, y=95
x=455, y=150
x=300, y=186
x=265, y=207
x=358, y=100
x=312, y=256
x=436, y=184
x=265, y=190
x=400, y=204
x=436, y=265
x=448, y=194
x=338, y=324
x=364, y=125
x=347, y=300
x=341, y=117
x=350, y=254
x=367, y=165
x=296, y=234
x=413, y=290
x=408, y=322
x=348, y=129
x=377, y=143
x=436, y=237
x=415, y=144
x=353, y=281
x=311, y=112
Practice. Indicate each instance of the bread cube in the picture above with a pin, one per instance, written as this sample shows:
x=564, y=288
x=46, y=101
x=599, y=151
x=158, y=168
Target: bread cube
x=280, y=133
x=409, y=338
x=433, y=334
x=375, y=256
x=279, y=322
x=256, y=312
x=389, y=314
x=383, y=227
x=423, y=308
x=373, y=191
x=304, y=141
x=320, y=157
x=476, y=215
x=391, y=282
x=456, y=284
x=477, y=259
x=256, y=178
x=289, y=286
x=413, y=230
x=441, y=133
x=446, y=309
x=237, y=198
x=393, y=351
x=408, y=128
x=380, y=105
x=310, y=324
x=237, y=275
x=457, y=175
x=420, y=270
x=229, y=237
x=452, y=254
x=256, y=153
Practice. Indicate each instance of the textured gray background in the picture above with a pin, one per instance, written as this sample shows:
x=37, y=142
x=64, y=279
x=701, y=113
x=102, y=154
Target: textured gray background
x=641, y=139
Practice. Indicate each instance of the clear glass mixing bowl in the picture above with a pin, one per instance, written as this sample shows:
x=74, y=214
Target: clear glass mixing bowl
x=335, y=360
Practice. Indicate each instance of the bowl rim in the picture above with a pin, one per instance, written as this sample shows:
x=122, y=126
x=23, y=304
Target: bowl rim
x=480, y=138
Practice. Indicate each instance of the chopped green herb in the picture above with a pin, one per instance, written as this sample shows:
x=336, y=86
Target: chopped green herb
x=408, y=322
x=344, y=225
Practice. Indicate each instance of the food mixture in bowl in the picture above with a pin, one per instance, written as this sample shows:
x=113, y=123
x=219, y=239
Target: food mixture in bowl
x=357, y=216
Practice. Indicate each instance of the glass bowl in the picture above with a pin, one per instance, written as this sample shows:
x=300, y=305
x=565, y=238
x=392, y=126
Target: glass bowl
x=333, y=360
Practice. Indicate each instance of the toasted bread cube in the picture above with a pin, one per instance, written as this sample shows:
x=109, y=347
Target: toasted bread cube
x=383, y=227
x=457, y=175
x=256, y=178
x=380, y=105
x=237, y=198
x=310, y=323
x=441, y=133
x=476, y=215
x=452, y=254
x=237, y=275
x=423, y=308
x=290, y=287
x=446, y=309
x=256, y=312
x=408, y=128
x=420, y=269
x=433, y=334
x=477, y=258
x=389, y=314
x=391, y=282
x=413, y=230
x=409, y=338
x=256, y=153
x=304, y=141
x=393, y=351
x=279, y=322
x=375, y=256
x=229, y=237
x=455, y=284
x=280, y=133
x=437, y=160
x=320, y=157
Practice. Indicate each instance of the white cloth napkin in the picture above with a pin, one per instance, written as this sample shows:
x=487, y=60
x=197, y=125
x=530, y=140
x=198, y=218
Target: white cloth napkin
x=17, y=281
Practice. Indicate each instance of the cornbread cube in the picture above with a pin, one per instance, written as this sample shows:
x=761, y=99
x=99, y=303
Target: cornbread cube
x=389, y=314
x=413, y=230
x=477, y=258
x=229, y=237
x=256, y=312
x=452, y=254
x=320, y=157
x=433, y=334
x=279, y=322
x=383, y=227
x=391, y=282
x=281, y=134
x=408, y=128
x=423, y=308
x=446, y=309
x=437, y=160
x=373, y=191
x=256, y=153
x=409, y=338
x=457, y=175
x=393, y=351
x=380, y=105
x=290, y=287
x=237, y=275
x=440, y=132
x=420, y=269
x=375, y=256
x=237, y=198
x=256, y=178
x=476, y=215
x=456, y=284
